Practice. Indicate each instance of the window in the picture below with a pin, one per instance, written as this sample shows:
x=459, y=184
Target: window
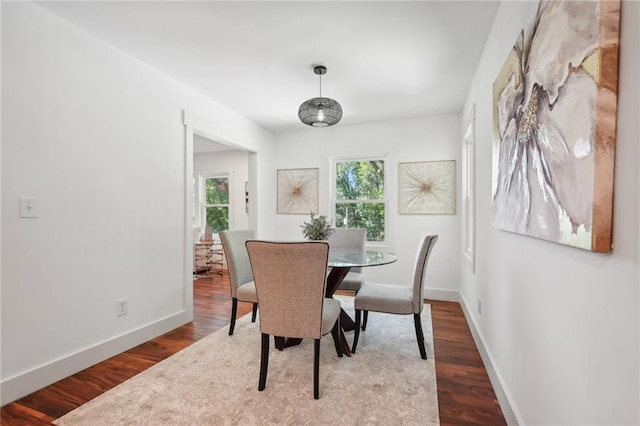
x=215, y=205
x=468, y=191
x=360, y=196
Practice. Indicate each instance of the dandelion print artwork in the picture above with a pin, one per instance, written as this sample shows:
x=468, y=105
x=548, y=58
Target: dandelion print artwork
x=427, y=187
x=298, y=191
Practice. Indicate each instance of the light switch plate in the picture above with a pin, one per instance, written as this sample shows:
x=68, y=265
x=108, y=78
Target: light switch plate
x=28, y=207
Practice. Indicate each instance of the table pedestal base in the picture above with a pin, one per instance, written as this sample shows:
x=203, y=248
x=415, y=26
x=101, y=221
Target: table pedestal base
x=346, y=323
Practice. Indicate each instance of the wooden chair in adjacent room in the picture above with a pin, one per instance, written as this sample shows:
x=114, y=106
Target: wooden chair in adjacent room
x=398, y=299
x=240, y=274
x=290, y=279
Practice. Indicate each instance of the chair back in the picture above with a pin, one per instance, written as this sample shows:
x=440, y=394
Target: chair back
x=233, y=244
x=425, y=246
x=349, y=238
x=290, y=280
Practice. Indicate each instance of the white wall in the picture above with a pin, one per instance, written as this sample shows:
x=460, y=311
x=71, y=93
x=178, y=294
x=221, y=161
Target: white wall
x=98, y=137
x=421, y=139
x=560, y=325
x=236, y=164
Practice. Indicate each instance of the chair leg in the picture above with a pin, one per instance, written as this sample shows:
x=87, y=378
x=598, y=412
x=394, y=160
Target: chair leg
x=234, y=312
x=364, y=321
x=279, y=342
x=264, y=362
x=356, y=333
x=420, y=335
x=316, y=368
x=254, y=312
x=335, y=332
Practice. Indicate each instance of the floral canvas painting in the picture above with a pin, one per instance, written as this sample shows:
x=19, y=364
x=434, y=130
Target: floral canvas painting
x=554, y=125
x=298, y=191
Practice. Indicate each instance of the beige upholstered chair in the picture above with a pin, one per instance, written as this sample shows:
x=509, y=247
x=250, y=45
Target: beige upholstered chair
x=290, y=281
x=396, y=299
x=350, y=238
x=240, y=275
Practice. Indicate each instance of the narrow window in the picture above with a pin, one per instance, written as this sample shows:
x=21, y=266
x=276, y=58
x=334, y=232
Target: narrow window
x=468, y=191
x=360, y=200
x=215, y=198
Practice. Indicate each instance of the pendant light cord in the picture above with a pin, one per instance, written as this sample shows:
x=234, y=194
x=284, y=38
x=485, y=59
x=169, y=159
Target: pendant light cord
x=320, y=75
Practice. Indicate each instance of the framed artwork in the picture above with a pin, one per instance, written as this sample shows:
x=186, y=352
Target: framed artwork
x=298, y=191
x=554, y=126
x=427, y=187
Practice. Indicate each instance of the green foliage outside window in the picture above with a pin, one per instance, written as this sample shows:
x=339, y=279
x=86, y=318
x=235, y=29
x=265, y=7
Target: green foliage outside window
x=218, y=218
x=216, y=195
x=360, y=197
x=369, y=216
x=216, y=190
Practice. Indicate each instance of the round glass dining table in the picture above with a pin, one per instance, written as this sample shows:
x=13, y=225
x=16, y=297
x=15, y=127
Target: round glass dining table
x=351, y=258
x=341, y=261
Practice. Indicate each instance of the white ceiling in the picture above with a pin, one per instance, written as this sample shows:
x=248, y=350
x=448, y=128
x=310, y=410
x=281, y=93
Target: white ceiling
x=385, y=60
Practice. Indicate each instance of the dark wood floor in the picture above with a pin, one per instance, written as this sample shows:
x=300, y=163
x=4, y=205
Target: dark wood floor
x=465, y=394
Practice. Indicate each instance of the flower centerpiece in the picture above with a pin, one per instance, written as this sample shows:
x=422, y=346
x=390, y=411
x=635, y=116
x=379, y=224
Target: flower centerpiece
x=318, y=229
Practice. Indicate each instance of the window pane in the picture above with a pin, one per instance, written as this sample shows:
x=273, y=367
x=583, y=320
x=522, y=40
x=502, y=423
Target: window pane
x=362, y=215
x=217, y=218
x=216, y=190
x=360, y=180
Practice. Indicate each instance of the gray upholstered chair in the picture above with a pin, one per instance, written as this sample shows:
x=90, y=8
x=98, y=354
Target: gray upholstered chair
x=290, y=281
x=240, y=275
x=397, y=299
x=350, y=238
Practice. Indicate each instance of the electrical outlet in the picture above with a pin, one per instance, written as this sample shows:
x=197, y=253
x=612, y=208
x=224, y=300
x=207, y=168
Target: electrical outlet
x=122, y=307
x=479, y=306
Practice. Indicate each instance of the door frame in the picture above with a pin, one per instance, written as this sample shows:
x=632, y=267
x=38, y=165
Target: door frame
x=194, y=124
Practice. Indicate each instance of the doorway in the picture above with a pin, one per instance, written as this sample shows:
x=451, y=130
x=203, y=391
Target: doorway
x=208, y=158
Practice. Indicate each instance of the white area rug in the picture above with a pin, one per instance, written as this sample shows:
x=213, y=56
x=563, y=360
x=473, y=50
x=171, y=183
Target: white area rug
x=215, y=382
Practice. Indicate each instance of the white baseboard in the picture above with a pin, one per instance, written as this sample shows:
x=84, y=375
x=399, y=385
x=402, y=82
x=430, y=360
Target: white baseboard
x=25, y=383
x=440, y=294
x=508, y=409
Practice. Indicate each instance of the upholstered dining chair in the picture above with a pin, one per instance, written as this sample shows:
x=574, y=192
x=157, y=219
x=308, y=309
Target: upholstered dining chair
x=240, y=275
x=290, y=282
x=397, y=299
x=350, y=238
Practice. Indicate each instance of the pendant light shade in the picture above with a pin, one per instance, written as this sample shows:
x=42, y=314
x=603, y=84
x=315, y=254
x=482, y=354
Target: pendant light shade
x=320, y=112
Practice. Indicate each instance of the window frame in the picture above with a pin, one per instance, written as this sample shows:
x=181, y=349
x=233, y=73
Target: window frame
x=385, y=201
x=468, y=189
x=203, y=197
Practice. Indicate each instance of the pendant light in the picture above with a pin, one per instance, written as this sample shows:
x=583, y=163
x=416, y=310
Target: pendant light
x=320, y=112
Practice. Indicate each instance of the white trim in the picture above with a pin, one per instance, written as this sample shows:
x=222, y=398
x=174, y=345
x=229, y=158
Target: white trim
x=509, y=411
x=189, y=194
x=469, y=190
x=25, y=383
x=205, y=128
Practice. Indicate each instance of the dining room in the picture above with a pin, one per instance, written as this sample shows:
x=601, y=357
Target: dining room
x=102, y=102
